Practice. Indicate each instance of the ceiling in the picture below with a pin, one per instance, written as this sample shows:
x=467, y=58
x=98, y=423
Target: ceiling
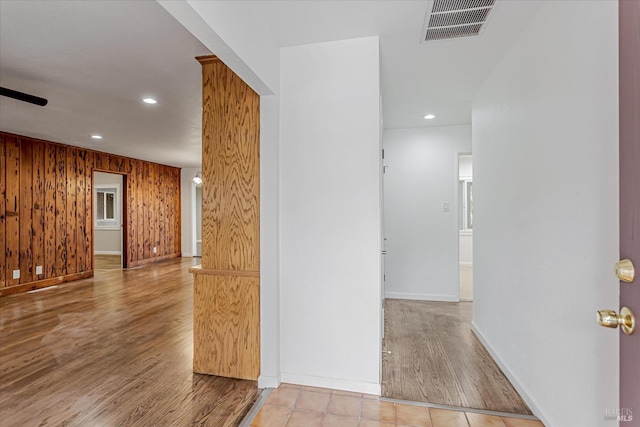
x=95, y=59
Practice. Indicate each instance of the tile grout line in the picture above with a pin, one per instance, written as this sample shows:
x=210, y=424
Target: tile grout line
x=462, y=409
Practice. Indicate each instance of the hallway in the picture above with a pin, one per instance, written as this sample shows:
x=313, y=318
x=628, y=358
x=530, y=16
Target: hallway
x=431, y=355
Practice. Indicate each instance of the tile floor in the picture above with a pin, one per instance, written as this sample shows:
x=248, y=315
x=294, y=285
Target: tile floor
x=292, y=405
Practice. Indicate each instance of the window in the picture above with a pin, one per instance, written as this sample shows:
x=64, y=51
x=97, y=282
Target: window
x=465, y=204
x=106, y=207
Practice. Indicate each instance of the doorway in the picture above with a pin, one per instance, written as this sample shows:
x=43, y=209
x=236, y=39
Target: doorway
x=430, y=353
x=108, y=217
x=465, y=227
x=196, y=232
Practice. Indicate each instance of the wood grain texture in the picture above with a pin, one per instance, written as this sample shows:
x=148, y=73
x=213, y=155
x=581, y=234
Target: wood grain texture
x=230, y=171
x=83, y=251
x=47, y=216
x=12, y=209
x=50, y=252
x=226, y=326
x=61, y=211
x=227, y=286
x=26, y=207
x=72, y=212
x=88, y=215
x=38, y=202
x=112, y=350
x=3, y=202
x=435, y=358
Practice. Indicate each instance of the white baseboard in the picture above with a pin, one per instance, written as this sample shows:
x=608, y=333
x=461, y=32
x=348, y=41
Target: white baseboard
x=265, y=381
x=421, y=297
x=186, y=255
x=333, y=383
x=107, y=253
x=521, y=389
x=466, y=264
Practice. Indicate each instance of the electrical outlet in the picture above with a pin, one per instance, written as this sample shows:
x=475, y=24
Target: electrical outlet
x=38, y=270
x=155, y=249
x=446, y=207
x=16, y=274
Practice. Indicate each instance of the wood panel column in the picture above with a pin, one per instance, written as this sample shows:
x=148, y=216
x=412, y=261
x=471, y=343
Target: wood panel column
x=226, y=298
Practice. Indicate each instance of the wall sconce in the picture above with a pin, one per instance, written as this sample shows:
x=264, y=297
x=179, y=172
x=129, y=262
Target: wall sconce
x=198, y=178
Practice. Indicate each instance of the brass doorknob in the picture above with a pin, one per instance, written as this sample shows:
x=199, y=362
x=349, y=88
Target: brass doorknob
x=625, y=270
x=610, y=319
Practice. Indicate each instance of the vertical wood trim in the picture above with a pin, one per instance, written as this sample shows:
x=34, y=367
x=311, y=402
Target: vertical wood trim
x=140, y=209
x=3, y=201
x=38, y=244
x=178, y=220
x=163, y=223
x=72, y=213
x=145, y=212
x=26, y=215
x=12, y=209
x=88, y=216
x=82, y=250
x=61, y=211
x=50, y=253
x=155, y=210
x=132, y=217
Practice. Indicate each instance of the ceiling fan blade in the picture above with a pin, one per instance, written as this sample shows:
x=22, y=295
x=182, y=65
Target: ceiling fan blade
x=21, y=96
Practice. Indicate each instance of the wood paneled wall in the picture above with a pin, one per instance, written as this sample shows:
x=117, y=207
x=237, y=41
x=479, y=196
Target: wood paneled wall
x=226, y=320
x=46, y=216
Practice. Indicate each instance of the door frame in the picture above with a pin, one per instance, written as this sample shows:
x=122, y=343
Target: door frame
x=124, y=221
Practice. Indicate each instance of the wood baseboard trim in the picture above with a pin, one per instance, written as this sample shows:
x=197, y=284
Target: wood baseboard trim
x=152, y=260
x=44, y=283
x=213, y=272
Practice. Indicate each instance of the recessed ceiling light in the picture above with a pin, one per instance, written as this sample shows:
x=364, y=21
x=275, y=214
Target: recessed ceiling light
x=149, y=101
x=94, y=136
x=429, y=116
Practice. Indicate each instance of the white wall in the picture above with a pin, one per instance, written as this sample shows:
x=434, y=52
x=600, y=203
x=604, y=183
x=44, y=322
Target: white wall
x=546, y=212
x=187, y=214
x=422, y=240
x=465, y=166
x=234, y=32
x=330, y=241
x=108, y=242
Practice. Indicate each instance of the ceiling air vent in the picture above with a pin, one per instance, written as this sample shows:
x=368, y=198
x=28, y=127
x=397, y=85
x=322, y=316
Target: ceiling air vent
x=451, y=19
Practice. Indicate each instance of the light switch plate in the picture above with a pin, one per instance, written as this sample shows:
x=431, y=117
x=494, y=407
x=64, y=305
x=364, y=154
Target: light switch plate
x=16, y=274
x=446, y=207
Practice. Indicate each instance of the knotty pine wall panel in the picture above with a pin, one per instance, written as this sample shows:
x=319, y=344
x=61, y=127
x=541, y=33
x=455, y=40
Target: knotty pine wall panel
x=3, y=211
x=12, y=220
x=46, y=216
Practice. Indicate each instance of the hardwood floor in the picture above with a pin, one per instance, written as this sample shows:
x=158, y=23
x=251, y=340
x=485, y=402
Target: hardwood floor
x=113, y=350
x=106, y=262
x=435, y=358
